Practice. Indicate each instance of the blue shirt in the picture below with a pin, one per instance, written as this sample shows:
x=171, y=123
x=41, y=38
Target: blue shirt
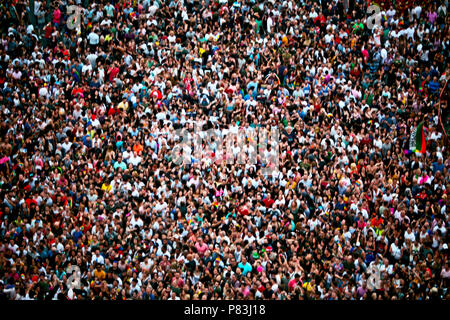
x=120, y=165
x=77, y=235
x=434, y=86
x=245, y=268
x=438, y=167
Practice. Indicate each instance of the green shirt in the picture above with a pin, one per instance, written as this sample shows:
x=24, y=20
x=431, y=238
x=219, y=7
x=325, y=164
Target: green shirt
x=358, y=26
x=258, y=25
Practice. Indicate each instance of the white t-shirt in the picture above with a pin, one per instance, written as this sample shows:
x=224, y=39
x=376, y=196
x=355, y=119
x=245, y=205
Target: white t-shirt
x=93, y=38
x=396, y=252
x=269, y=24
x=172, y=39
x=66, y=146
x=410, y=236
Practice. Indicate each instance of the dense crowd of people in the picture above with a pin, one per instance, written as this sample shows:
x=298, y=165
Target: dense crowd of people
x=93, y=205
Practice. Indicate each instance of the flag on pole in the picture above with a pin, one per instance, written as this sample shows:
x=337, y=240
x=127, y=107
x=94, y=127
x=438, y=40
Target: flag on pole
x=420, y=139
x=417, y=142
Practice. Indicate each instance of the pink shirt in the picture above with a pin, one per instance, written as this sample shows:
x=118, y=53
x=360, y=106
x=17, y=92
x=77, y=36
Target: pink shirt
x=201, y=248
x=292, y=284
x=445, y=273
x=56, y=16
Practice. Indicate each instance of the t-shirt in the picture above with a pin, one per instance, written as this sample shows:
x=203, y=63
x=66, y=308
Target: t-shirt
x=246, y=268
x=93, y=38
x=445, y=273
x=101, y=275
x=292, y=283
x=120, y=165
x=109, y=10
x=396, y=252
x=201, y=248
x=268, y=202
x=361, y=292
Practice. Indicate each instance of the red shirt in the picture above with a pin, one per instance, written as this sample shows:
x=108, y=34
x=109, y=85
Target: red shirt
x=355, y=72
x=243, y=210
x=48, y=31
x=111, y=111
x=317, y=106
x=30, y=201
x=365, y=141
x=113, y=73
x=268, y=202
x=79, y=91
x=187, y=83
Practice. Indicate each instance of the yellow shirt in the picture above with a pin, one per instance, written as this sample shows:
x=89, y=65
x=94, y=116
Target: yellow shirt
x=123, y=105
x=307, y=286
x=290, y=185
x=106, y=187
x=100, y=274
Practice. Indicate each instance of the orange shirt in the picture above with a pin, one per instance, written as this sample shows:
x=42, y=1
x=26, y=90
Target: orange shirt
x=138, y=148
x=101, y=275
x=377, y=222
